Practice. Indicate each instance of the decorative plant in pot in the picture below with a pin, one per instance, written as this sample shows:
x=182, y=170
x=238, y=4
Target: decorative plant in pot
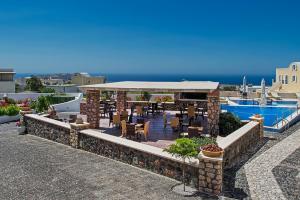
x=212, y=150
x=21, y=127
x=184, y=148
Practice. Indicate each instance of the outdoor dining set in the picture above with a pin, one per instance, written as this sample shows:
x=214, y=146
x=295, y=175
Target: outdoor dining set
x=135, y=124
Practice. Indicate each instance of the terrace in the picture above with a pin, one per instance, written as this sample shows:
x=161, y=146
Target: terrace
x=195, y=106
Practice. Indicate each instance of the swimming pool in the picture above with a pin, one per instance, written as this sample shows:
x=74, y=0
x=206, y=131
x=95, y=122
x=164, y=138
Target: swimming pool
x=272, y=114
x=271, y=103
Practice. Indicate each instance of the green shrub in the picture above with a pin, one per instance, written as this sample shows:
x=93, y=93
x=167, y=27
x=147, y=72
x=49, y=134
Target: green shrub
x=47, y=90
x=203, y=141
x=52, y=99
x=228, y=123
x=42, y=104
x=12, y=110
x=2, y=111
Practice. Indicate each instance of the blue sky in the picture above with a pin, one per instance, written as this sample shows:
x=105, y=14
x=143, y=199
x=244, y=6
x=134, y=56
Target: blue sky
x=149, y=36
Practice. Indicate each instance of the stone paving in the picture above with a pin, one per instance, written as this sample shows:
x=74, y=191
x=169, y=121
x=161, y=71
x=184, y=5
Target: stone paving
x=35, y=168
x=269, y=171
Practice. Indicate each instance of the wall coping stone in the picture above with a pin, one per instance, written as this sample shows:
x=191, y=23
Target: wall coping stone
x=48, y=120
x=138, y=146
x=231, y=138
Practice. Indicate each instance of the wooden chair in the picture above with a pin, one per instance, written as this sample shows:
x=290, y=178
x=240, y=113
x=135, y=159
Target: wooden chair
x=124, y=128
x=139, y=110
x=175, y=123
x=124, y=115
x=191, y=112
x=130, y=130
x=116, y=120
x=144, y=131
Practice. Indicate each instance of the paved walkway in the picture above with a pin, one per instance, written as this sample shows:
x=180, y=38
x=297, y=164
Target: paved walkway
x=260, y=171
x=35, y=168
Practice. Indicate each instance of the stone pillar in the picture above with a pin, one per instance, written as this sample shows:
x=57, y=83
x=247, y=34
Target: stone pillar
x=74, y=133
x=210, y=175
x=22, y=117
x=213, y=112
x=121, y=101
x=260, y=120
x=92, y=108
x=83, y=108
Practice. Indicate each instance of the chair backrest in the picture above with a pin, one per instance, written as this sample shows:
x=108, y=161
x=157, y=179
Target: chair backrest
x=124, y=113
x=123, y=124
x=139, y=110
x=165, y=117
x=146, y=128
x=130, y=129
x=174, y=122
x=191, y=111
x=116, y=119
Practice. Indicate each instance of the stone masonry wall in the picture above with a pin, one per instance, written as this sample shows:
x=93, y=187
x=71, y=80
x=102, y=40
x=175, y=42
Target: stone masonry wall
x=239, y=142
x=83, y=108
x=210, y=175
x=213, y=113
x=48, y=130
x=92, y=108
x=154, y=163
x=121, y=101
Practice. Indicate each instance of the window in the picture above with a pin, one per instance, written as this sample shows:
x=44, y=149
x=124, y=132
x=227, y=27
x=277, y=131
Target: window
x=294, y=67
x=294, y=78
x=286, y=79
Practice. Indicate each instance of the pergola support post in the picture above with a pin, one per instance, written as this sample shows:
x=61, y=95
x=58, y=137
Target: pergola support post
x=92, y=108
x=213, y=112
x=121, y=101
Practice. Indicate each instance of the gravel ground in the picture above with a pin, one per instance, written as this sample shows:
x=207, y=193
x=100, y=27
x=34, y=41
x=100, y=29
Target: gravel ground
x=35, y=168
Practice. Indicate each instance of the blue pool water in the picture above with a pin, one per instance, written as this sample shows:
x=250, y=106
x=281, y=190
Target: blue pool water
x=271, y=114
x=271, y=103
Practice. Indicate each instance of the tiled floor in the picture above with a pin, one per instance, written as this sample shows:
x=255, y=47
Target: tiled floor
x=158, y=135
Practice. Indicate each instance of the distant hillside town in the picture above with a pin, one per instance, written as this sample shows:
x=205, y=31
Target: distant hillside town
x=59, y=83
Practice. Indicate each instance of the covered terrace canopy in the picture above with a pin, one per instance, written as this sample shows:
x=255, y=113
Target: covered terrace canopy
x=141, y=86
x=207, y=87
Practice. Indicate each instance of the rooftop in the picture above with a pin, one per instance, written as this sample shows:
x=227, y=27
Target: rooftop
x=184, y=86
x=7, y=71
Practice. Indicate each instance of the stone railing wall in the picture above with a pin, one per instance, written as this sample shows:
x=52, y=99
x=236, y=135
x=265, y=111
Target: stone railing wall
x=139, y=155
x=239, y=142
x=47, y=128
x=204, y=173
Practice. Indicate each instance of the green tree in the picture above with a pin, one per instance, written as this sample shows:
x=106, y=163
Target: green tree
x=185, y=149
x=47, y=90
x=34, y=84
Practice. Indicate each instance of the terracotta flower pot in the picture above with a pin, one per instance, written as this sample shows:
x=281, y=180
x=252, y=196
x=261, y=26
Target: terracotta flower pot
x=212, y=154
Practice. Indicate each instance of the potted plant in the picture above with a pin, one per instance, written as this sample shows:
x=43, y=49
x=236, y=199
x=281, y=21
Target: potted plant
x=20, y=127
x=211, y=150
x=184, y=148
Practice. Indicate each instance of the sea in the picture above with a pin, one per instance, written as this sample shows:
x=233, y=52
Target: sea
x=223, y=79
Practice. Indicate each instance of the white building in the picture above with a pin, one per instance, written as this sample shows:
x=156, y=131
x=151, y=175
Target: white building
x=7, y=83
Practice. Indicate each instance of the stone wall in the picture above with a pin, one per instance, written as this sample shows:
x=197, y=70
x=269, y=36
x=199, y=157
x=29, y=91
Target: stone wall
x=121, y=101
x=213, y=112
x=139, y=155
x=92, y=108
x=210, y=174
x=47, y=128
x=83, y=108
x=239, y=142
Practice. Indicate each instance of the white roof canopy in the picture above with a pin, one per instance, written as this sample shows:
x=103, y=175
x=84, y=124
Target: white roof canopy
x=184, y=86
